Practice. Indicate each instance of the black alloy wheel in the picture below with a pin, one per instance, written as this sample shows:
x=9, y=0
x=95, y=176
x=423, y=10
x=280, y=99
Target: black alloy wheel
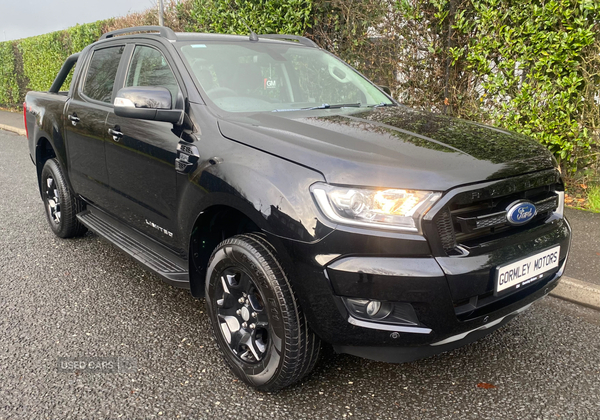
x=241, y=314
x=258, y=324
x=52, y=200
x=60, y=203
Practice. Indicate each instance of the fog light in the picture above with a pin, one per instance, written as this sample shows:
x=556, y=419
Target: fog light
x=387, y=312
x=373, y=307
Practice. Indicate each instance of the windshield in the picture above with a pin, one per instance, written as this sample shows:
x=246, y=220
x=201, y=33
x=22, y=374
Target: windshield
x=263, y=76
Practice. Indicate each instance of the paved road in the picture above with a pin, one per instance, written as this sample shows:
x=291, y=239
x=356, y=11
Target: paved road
x=14, y=119
x=586, y=246
x=73, y=298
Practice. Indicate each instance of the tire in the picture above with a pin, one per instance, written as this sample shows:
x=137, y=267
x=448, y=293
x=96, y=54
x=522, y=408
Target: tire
x=60, y=203
x=258, y=324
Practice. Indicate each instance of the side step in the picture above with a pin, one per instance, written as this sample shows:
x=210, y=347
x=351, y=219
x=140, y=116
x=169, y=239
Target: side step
x=144, y=250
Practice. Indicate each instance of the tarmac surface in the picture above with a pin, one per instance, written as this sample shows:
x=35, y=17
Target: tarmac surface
x=584, y=259
x=14, y=119
x=83, y=298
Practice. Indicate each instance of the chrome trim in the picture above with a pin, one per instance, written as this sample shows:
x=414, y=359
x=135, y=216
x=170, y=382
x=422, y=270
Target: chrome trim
x=324, y=259
x=561, y=270
x=389, y=266
x=458, y=337
x=388, y=327
x=560, y=209
x=471, y=224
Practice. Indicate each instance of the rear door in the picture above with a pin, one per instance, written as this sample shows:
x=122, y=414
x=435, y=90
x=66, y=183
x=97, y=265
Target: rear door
x=141, y=161
x=86, y=115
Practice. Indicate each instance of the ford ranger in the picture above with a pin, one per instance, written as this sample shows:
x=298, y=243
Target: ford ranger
x=299, y=199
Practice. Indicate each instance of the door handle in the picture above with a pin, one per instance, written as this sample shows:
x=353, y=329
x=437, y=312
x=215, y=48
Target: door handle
x=116, y=135
x=74, y=118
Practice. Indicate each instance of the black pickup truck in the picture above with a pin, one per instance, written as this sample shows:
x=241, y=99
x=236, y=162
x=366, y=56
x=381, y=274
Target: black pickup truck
x=301, y=200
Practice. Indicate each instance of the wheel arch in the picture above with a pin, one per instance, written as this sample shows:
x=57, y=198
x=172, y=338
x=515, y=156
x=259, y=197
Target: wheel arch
x=219, y=220
x=44, y=150
x=233, y=197
x=214, y=224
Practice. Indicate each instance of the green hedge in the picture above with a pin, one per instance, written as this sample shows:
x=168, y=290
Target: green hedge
x=43, y=56
x=35, y=61
x=9, y=89
x=533, y=56
x=261, y=16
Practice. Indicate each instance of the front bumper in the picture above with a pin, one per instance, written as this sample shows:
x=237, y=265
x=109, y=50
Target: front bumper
x=409, y=354
x=401, y=269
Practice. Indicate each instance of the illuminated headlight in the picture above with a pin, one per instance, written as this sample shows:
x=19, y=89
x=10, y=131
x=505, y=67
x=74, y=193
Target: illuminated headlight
x=394, y=209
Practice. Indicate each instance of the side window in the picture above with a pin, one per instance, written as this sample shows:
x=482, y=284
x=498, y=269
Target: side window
x=101, y=73
x=150, y=68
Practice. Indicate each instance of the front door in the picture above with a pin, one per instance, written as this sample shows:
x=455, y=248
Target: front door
x=141, y=157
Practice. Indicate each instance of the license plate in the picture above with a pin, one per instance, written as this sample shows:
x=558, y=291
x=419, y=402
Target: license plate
x=527, y=270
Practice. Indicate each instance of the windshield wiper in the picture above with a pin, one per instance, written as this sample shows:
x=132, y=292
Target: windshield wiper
x=379, y=105
x=322, y=106
x=327, y=106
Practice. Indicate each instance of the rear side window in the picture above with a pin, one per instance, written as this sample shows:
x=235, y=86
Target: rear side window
x=101, y=73
x=150, y=68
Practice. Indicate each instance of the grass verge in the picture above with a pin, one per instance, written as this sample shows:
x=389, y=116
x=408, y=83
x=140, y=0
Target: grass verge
x=593, y=198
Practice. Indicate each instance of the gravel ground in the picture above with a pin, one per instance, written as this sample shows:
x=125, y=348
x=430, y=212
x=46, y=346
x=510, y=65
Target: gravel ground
x=83, y=298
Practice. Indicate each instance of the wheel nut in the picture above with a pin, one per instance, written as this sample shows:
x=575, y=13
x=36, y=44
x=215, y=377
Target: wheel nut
x=244, y=325
x=252, y=326
x=238, y=312
x=254, y=314
x=241, y=300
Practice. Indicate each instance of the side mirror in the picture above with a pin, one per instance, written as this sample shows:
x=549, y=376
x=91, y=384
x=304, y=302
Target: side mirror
x=147, y=103
x=386, y=90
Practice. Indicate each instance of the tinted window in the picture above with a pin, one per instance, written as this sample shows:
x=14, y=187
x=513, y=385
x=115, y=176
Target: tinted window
x=150, y=68
x=101, y=73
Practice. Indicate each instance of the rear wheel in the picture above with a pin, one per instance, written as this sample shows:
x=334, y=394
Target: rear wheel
x=257, y=321
x=61, y=204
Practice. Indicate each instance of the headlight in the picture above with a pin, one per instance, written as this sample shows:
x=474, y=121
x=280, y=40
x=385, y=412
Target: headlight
x=385, y=208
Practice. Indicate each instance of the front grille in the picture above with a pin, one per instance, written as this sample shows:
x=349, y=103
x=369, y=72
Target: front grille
x=477, y=215
x=446, y=230
x=483, y=304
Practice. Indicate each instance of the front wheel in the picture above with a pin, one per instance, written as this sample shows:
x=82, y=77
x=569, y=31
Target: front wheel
x=61, y=204
x=257, y=321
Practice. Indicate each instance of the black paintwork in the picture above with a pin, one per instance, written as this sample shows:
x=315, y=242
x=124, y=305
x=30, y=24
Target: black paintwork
x=382, y=145
x=146, y=174
x=86, y=138
x=150, y=103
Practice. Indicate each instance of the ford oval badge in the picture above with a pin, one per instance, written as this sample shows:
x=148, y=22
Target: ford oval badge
x=520, y=212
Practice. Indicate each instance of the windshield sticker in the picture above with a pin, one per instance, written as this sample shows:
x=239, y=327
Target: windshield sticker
x=270, y=84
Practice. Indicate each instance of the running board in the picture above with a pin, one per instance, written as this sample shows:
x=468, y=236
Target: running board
x=144, y=250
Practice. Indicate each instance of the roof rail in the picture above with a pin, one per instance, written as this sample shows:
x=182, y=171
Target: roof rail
x=162, y=30
x=301, y=39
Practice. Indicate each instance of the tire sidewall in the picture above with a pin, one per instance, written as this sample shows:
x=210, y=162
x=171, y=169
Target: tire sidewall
x=51, y=168
x=233, y=255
